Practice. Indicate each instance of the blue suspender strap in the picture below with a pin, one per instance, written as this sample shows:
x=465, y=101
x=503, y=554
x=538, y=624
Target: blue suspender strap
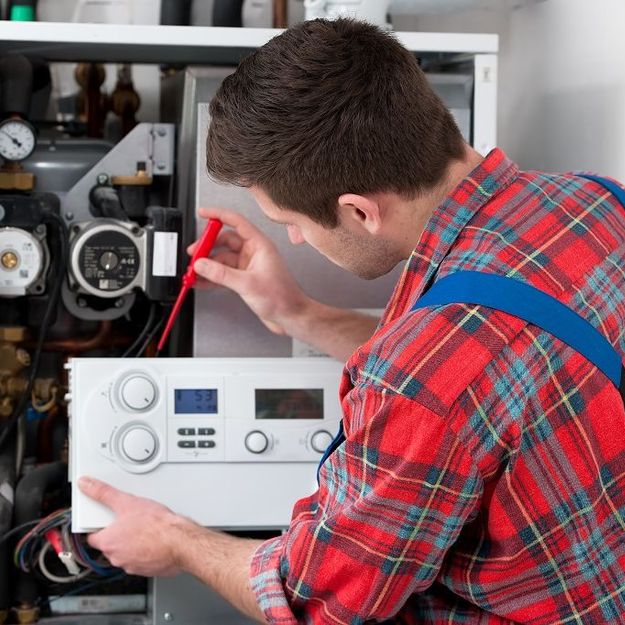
x=532, y=305
x=615, y=189
x=338, y=440
x=527, y=303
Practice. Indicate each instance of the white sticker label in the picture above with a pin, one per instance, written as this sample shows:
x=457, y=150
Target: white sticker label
x=165, y=254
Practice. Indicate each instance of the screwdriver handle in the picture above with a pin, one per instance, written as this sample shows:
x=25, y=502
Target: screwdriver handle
x=203, y=249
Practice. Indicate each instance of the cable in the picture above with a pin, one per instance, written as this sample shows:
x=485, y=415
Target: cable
x=47, y=318
x=17, y=529
x=80, y=589
x=144, y=332
x=58, y=579
x=151, y=336
x=54, y=531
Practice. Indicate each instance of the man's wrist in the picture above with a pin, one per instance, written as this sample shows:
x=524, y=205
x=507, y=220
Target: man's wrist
x=297, y=320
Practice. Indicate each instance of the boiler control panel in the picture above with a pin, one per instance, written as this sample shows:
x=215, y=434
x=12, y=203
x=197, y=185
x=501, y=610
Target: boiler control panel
x=229, y=442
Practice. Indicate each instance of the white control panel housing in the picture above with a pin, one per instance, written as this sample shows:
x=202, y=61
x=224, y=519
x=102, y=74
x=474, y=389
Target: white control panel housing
x=229, y=442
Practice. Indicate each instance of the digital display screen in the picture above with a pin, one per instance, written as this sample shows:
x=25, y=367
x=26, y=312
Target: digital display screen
x=289, y=403
x=195, y=401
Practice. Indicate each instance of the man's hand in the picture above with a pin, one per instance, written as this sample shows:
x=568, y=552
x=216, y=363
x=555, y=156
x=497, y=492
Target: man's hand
x=148, y=539
x=142, y=538
x=249, y=264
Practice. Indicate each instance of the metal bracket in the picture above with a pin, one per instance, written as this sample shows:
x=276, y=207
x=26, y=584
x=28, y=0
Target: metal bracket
x=152, y=144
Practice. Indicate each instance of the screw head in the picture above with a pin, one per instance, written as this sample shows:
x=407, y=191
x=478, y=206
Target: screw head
x=69, y=216
x=102, y=179
x=119, y=302
x=10, y=260
x=168, y=616
x=81, y=302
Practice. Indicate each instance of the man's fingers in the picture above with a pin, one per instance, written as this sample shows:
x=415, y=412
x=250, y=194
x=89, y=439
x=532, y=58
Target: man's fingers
x=226, y=238
x=227, y=258
x=102, y=492
x=243, y=227
x=94, y=540
x=229, y=239
x=221, y=274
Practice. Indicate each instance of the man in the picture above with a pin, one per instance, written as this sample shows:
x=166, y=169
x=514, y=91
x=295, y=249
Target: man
x=480, y=479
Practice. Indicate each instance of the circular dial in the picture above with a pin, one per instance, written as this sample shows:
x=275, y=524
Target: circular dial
x=105, y=260
x=17, y=139
x=138, y=444
x=137, y=392
x=256, y=442
x=320, y=440
x=22, y=260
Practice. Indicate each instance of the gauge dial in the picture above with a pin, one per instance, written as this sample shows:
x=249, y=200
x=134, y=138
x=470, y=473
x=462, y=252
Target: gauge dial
x=17, y=139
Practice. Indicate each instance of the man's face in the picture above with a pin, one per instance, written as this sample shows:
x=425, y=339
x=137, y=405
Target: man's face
x=347, y=246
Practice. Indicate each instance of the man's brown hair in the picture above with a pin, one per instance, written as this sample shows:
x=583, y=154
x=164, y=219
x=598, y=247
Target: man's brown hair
x=326, y=108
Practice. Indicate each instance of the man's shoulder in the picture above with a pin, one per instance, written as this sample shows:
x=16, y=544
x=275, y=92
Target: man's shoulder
x=432, y=355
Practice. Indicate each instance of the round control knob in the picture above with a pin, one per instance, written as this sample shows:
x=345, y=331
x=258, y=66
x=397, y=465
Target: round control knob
x=256, y=442
x=138, y=392
x=138, y=444
x=320, y=440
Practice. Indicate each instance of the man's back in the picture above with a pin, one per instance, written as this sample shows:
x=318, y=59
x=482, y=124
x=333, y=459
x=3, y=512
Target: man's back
x=543, y=539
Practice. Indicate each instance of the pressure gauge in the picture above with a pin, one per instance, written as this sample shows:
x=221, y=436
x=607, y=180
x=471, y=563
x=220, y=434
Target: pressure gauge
x=17, y=139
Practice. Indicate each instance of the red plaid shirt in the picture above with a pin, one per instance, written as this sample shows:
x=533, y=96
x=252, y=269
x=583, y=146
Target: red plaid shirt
x=482, y=479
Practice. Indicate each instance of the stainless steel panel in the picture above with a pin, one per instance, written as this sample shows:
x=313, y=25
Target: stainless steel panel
x=183, y=600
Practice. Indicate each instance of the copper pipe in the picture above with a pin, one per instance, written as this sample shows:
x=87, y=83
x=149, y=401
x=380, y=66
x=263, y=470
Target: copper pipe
x=280, y=14
x=79, y=345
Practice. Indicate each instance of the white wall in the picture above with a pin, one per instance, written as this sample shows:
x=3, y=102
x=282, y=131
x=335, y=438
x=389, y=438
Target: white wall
x=561, y=79
x=563, y=86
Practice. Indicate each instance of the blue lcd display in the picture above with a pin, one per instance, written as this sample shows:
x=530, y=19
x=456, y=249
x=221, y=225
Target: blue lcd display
x=195, y=401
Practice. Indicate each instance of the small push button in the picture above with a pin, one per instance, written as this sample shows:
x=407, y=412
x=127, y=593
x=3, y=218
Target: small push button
x=206, y=444
x=206, y=431
x=186, y=444
x=186, y=431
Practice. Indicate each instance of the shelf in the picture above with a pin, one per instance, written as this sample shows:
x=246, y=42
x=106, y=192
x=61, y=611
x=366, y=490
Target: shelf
x=185, y=45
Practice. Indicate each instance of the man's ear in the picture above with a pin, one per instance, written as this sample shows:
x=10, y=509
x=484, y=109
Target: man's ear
x=360, y=211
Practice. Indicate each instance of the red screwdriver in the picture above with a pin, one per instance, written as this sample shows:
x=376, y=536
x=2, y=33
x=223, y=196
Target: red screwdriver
x=203, y=249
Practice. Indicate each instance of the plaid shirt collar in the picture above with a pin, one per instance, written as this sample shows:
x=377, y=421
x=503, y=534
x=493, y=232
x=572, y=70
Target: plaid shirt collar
x=492, y=175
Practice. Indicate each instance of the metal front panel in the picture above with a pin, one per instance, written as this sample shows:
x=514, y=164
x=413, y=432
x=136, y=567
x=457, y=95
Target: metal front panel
x=183, y=600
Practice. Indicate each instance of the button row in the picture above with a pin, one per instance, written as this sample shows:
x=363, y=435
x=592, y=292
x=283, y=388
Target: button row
x=193, y=444
x=192, y=431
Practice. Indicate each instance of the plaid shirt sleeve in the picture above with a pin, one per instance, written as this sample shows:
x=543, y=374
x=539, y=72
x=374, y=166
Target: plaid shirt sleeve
x=392, y=499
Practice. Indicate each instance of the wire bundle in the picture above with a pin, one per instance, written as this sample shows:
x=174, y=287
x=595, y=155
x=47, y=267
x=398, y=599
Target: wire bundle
x=53, y=534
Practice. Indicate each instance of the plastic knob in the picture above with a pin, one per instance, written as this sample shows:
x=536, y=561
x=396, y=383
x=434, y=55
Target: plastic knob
x=320, y=440
x=138, y=392
x=256, y=442
x=138, y=444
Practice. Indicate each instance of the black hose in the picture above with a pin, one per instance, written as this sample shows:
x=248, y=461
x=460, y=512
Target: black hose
x=106, y=202
x=45, y=324
x=176, y=12
x=16, y=84
x=29, y=495
x=227, y=13
x=7, y=486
